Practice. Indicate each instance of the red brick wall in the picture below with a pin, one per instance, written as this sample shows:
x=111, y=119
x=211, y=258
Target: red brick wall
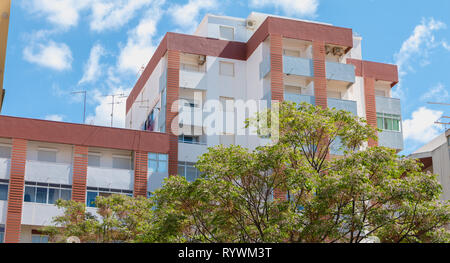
x=371, y=111
x=80, y=161
x=276, y=65
x=173, y=86
x=320, y=80
x=15, y=195
x=140, y=173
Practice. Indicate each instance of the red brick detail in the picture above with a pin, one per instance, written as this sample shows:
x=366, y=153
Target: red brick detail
x=140, y=173
x=15, y=195
x=83, y=135
x=276, y=67
x=279, y=195
x=371, y=111
x=320, y=78
x=173, y=87
x=79, y=178
x=378, y=71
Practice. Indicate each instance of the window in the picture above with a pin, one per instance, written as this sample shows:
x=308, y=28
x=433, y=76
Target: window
x=380, y=93
x=122, y=162
x=188, y=171
x=5, y=152
x=334, y=94
x=191, y=67
x=94, y=159
x=291, y=53
x=37, y=238
x=293, y=89
x=226, y=68
x=189, y=139
x=4, y=190
x=226, y=33
x=44, y=193
x=2, y=233
x=93, y=192
x=158, y=163
x=47, y=155
x=388, y=122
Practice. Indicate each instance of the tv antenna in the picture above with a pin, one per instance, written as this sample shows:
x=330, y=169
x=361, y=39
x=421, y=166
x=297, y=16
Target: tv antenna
x=114, y=96
x=84, y=107
x=443, y=117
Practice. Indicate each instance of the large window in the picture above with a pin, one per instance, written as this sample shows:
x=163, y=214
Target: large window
x=226, y=68
x=122, y=162
x=188, y=171
x=4, y=190
x=45, y=193
x=5, y=151
x=226, y=32
x=93, y=192
x=38, y=237
x=158, y=163
x=388, y=122
x=189, y=139
x=47, y=155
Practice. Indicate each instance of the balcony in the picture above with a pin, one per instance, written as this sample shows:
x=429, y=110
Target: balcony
x=347, y=105
x=340, y=72
x=391, y=139
x=298, y=66
x=35, y=214
x=104, y=177
x=388, y=105
x=193, y=79
x=5, y=165
x=48, y=172
x=297, y=98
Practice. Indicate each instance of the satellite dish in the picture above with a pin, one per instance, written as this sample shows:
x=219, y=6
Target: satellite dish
x=73, y=239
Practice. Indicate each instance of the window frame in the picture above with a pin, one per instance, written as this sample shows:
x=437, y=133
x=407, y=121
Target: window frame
x=226, y=27
x=221, y=72
x=385, y=118
x=47, y=186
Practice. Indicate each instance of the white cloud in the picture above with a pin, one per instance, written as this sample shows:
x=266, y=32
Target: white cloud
x=416, y=48
x=438, y=93
x=54, y=117
x=446, y=45
x=103, y=110
x=93, y=68
x=421, y=127
x=63, y=13
x=139, y=48
x=54, y=55
x=111, y=14
x=290, y=7
x=186, y=15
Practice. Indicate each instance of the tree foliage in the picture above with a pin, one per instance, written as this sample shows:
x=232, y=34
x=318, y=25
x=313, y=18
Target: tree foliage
x=366, y=192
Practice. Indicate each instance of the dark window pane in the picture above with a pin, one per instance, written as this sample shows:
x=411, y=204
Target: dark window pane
x=191, y=173
x=3, y=192
x=53, y=195
x=30, y=194
x=380, y=123
x=94, y=160
x=181, y=170
x=5, y=152
x=41, y=195
x=66, y=194
x=90, y=200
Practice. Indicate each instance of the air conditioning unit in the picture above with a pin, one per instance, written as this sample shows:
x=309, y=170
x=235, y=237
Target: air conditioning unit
x=250, y=24
x=338, y=51
x=201, y=60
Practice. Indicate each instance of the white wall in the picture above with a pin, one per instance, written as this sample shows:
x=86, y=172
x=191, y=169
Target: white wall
x=39, y=214
x=3, y=211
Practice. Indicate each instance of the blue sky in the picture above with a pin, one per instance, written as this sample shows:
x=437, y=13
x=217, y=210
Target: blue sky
x=59, y=46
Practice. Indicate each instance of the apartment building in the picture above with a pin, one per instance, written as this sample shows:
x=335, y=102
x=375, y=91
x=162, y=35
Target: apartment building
x=260, y=58
x=43, y=161
x=231, y=61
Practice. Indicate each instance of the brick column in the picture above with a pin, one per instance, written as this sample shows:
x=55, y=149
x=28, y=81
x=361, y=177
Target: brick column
x=320, y=78
x=173, y=88
x=371, y=111
x=140, y=173
x=276, y=67
x=79, y=177
x=16, y=188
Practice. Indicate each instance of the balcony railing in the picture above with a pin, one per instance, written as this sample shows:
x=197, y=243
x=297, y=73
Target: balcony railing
x=388, y=105
x=347, y=105
x=340, y=71
x=298, y=66
x=193, y=79
x=297, y=98
x=48, y=172
x=105, y=177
